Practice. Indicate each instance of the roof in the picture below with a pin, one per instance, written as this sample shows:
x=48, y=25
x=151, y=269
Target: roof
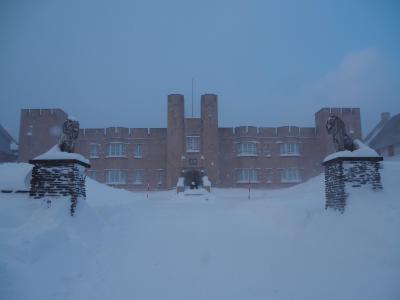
x=388, y=135
x=5, y=133
x=374, y=132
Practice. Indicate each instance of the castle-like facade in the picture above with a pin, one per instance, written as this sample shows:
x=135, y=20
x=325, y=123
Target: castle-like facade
x=154, y=158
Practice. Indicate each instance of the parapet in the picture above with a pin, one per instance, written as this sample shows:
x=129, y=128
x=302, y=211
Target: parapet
x=267, y=132
x=308, y=132
x=337, y=111
x=39, y=112
x=123, y=132
x=246, y=131
x=176, y=98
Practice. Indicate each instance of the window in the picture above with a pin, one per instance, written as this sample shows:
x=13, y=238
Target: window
x=247, y=175
x=289, y=149
x=30, y=130
x=383, y=152
x=391, y=150
x=269, y=175
x=115, y=177
x=192, y=144
x=94, y=151
x=92, y=174
x=138, y=150
x=116, y=150
x=397, y=149
x=246, y=149
x=290, y=175
x=267, y=150
x=161, y=177
x=138, y=176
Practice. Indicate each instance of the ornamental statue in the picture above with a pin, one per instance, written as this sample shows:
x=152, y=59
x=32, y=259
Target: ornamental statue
x=341, y=140
x=70, y=131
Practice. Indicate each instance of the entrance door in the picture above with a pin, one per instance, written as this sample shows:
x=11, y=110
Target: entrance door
x=193, y=179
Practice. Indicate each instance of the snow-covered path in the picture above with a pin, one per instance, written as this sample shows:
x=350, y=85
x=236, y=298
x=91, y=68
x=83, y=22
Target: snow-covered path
x=279, y=245
x=183, y=253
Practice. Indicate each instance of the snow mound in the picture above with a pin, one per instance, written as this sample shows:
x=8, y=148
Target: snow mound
x=280, y=244
x=15, y=176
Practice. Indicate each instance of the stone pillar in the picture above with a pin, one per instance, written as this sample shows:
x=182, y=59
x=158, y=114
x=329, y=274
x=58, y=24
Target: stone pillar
x=52, y=179
x=343, y=175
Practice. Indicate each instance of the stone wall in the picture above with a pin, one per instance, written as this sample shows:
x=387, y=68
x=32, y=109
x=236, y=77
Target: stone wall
x=335, y=193
x=359, y=173
x=344, y=174
x=58, y=178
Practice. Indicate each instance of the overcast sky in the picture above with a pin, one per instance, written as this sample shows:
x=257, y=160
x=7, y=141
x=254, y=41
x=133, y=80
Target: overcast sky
x=272, y=63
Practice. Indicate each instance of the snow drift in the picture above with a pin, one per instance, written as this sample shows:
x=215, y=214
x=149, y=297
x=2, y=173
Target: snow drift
x=280, y=244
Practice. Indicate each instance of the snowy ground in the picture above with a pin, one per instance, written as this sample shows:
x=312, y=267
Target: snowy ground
x=281, y=244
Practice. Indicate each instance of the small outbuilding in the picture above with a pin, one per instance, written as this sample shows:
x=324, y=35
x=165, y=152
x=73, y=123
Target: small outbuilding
x=385, y=137
x=8, y=146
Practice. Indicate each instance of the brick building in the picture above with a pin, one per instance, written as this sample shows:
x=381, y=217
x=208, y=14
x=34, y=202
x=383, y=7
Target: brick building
x=135, y=158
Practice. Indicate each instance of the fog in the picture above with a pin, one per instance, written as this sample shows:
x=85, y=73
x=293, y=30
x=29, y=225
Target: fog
x=272, y=63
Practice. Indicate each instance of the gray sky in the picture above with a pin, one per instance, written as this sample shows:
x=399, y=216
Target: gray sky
x=272, y=63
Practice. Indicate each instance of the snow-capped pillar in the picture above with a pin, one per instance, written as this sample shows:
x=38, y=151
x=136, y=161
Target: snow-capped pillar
x=180, y=185
x=344, y=175
x=206, y=183
x=54, y=178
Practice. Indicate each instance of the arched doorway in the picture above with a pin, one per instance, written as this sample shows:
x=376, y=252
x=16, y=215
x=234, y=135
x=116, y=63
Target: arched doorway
x=193, y=179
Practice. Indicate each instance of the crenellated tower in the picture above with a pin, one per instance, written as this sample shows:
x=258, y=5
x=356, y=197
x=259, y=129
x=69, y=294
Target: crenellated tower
x=175, y=137
x=39, y=130
x=209, y=136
